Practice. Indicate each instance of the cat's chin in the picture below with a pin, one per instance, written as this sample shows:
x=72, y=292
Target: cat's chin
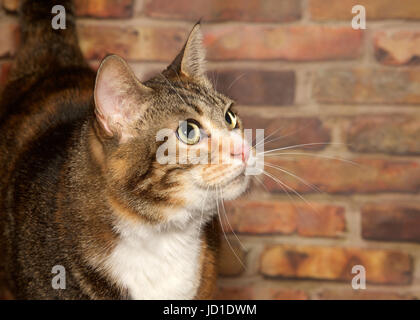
x=235, y=187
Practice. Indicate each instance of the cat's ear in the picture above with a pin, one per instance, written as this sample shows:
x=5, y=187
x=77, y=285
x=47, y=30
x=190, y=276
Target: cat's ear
x=119, y=96
x=190, y=62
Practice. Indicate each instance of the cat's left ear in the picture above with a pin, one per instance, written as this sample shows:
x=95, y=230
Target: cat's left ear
x=191, y=61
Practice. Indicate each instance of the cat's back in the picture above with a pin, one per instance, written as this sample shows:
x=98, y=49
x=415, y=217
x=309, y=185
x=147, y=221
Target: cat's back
x=49, y=84
x=35, y=112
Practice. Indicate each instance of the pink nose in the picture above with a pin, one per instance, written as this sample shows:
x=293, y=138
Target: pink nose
x=240, y=149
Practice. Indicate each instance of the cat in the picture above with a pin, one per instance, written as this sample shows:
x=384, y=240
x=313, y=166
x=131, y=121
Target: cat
x=81, y=186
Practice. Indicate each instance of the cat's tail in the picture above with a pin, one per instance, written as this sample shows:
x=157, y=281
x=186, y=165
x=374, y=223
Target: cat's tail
x=48, y=35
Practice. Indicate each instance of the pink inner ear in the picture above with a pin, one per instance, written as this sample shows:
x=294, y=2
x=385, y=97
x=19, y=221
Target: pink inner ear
x=106, y=96
x=117, y=96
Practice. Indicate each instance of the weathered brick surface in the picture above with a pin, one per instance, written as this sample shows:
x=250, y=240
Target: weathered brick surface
x=370, y=86
x=296, y=43
x=397, y=47
x=271, y=217
x=363, y=295
x=393, y=134
x=259, y=292
x=288, y=294
x=220, y=10
x=334, y=263
x=391, y=221
x=253, y=87
x=283, y=132
x=235, y=293
x=91, y=8
x=104, y=8
x=144, y=43
x=375, y=9
x=335, y=176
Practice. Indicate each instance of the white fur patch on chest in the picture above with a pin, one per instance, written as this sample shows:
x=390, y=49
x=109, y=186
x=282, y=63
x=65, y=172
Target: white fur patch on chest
x=154, y=264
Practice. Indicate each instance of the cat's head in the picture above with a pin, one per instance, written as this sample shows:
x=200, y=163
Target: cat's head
x=171, y=145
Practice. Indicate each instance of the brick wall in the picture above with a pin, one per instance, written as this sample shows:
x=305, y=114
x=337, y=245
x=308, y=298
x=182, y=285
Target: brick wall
x=297, y=66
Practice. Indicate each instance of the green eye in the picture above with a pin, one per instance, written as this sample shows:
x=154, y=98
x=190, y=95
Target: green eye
x=189, y=132
x=231, y=119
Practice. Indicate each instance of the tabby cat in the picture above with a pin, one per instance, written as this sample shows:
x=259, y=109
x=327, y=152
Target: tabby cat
x=80, y=183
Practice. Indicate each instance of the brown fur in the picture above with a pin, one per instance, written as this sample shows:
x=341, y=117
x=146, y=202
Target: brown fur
x=66, y=179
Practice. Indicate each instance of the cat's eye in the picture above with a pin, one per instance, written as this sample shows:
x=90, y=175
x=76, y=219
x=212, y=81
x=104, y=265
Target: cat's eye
x=231, y=119
x=189, y=132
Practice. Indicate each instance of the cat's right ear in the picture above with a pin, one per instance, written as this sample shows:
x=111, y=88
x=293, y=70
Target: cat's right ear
x=119, y=97
x=190, y=62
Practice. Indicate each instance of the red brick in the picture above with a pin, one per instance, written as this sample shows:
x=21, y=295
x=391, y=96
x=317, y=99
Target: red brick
x=145, y=43
x=397, y=47
x=374, y=86
x=91, y=8
x=231, y=258
x=234, y=293
x=257, y=87
x=334, y=263
x=391, y=221
x=283, y=132
x=375, y=9
x=364, y=295
x=289, y=294
x=258, y=291
x=292, y=43
x=393, y=134
x=335, y=176
x=271, y=217
x=8, y=36
x=104, y=8
x=220, y=10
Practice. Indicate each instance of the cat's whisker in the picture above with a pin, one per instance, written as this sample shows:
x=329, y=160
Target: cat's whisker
x=285, y=190
x=236, y=79
x=262, y=141
x=227, y=219
x=224, y=233
x=260, y=182
x=278, y=138
x=290, y=188
x=314, y=155
x=302, y=145
x=313, y=187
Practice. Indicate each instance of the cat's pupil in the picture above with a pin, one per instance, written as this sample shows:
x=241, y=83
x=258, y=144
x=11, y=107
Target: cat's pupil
x=189, y=131
x=228, y=118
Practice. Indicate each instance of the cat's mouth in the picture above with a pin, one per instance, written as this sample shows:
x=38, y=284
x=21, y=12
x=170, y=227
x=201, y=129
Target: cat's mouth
x=231, y=185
